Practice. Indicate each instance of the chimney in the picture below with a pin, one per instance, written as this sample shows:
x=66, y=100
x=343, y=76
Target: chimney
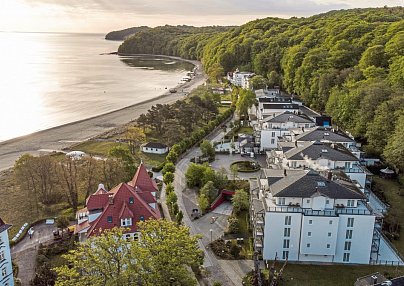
x=329, y=175
x=111, y=199
x=284, y=172
x=100, y=187
x=295, y=143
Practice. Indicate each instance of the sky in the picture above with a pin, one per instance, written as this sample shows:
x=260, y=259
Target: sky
x=101, y=16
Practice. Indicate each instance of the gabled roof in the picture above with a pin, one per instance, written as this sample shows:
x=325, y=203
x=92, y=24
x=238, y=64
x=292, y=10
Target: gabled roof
x=323, y=134
x=288, y=116
x=4, y=226
x=155, y=145
x=120, y=207
x=316, y=150
x=304, y=184
x=97, y=201
x=143, y=180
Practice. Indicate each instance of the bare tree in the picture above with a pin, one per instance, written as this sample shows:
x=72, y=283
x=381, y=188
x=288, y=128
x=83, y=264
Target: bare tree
x=68, y=174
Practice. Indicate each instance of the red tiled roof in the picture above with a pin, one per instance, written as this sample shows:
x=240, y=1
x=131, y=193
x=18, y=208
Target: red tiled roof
x=95, y=201
x=125, y=211
x=120, y=207
x=143, y=180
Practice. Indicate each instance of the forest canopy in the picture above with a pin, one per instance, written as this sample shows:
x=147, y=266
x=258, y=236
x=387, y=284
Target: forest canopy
x=347, y=63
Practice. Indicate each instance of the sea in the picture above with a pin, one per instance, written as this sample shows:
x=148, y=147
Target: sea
x=50, y=79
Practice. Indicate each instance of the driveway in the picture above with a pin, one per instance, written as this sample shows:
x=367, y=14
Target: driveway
x=209, y=229
x=25, y=252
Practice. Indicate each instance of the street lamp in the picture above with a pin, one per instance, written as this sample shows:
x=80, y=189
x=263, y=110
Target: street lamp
x=211, y=234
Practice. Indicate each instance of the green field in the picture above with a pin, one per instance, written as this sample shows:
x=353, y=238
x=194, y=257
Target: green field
x=331, y=275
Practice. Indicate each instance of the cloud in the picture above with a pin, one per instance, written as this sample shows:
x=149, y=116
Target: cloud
x=200, y=8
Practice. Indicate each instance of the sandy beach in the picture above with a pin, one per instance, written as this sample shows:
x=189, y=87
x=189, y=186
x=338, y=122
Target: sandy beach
x=63, y=136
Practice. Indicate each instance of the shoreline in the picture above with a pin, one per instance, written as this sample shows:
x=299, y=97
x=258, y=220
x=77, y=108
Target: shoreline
x=63, y=136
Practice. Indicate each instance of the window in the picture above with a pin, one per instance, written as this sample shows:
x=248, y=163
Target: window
x=329, y=234
x=327, y=202
x=350, y=222
x=127, y=236
x=351, y=203
x=131, y=200
x=126, y=222
x=272, y=141
x=286, y=232
x=328, y=245
x=282, y=201
x=4, y=271
x=285, y=255
x=347, y=245
x=1, y=255
x=135, y=236
x=309, y=233
x=320, y=184
x=273, y=134
x=288, y=220
x=348, y=234
x=308, y=201
x=141, y=218
x=308, y=245
x=347, y=165
x=346, y=257
x=310, y=221
x=330, y=222
x=109, y=219
x=286, y=243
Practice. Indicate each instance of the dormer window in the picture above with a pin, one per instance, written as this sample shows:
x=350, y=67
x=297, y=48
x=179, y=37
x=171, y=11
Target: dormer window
x=141, y=218
x=320, y=184
x=326, y=134
x=324, y=150
x=126, y=222
x=131, y=200
x=109, y=219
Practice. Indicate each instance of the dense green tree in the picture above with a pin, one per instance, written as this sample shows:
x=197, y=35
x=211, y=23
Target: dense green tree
x=168, y=167
x=124, y=155
x=245, y=100
x=194, y=175
x=209, y=191
x=207, y=149
x=168, y=178
x=203, y=203
x=258, y=82
x=164, y=253
x=394, y=151
x=240, y=201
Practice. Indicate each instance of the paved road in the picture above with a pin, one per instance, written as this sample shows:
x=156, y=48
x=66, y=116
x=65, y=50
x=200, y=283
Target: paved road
x=219, y=271
x=25, y=252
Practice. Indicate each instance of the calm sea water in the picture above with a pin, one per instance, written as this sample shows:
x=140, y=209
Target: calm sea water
x=49, y=79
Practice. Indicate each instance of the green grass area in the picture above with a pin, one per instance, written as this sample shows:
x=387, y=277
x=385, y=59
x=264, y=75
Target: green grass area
x=102, y=149
x=246, y=130
x=391, y=190
x=222, y=109
x=226, y=96
x=97, y=147
x=332, y=275
x=244, y=231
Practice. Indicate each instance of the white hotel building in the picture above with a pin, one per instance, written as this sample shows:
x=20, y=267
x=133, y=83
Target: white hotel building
x=6, y=268
x=300, y=215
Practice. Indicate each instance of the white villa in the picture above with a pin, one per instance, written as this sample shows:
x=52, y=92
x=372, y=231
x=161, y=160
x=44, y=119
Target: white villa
x=6, y=268
x=270, y=129
x=240, y=79
x=155, y=148
x=300, y=215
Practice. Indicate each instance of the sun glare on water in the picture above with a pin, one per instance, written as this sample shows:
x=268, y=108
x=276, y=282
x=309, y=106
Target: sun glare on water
x=21, y=102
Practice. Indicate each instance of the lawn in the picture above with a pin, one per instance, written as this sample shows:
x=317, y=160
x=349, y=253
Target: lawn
x=332, y=275
x=222, y=109
x=246, y=130
x=97, y=147
x=102, y=149
x=391, y=190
